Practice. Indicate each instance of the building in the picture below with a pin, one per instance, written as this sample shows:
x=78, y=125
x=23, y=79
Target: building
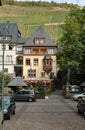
x=33, y=59
x=39, y=58
x=11, y=40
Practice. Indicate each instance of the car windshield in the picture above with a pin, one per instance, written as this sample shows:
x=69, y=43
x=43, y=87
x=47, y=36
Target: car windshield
x=6, y=100
x=31, y=92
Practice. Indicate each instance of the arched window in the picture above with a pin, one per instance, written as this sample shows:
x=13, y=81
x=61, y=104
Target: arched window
x=9, y=59
x=19, y=60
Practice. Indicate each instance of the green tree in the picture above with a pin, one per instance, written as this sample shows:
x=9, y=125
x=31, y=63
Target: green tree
x=73, y=41
x=7, y=79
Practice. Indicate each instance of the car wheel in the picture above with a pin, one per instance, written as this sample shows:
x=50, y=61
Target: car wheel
x=14, y=112
x=79, y=111
x=30, y=100
x=84, y=113
x=9, y=116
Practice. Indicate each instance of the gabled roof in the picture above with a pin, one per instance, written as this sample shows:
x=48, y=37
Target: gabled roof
x=17, y=82
x=11, y=29
x=40, y=33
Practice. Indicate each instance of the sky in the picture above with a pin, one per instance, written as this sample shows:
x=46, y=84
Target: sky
x=79, y=2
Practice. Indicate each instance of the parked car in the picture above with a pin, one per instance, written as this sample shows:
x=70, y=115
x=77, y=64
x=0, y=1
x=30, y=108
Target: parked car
x=77, y=97
x=81, y=106
x=75, y=89
x=9, y=107
x=25, y=95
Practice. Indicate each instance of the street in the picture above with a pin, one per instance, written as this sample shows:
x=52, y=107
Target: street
x=54, y=113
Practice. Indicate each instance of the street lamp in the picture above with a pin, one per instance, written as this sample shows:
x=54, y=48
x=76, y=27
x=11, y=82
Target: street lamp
x=2, y=90
x=5, y=37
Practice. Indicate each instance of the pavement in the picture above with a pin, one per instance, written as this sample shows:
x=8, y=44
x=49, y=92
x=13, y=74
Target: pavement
x=52, y=113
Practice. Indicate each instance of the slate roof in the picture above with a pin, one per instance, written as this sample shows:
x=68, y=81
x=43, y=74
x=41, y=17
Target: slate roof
x=11, y=29
x=40, y=33
x=17, y=82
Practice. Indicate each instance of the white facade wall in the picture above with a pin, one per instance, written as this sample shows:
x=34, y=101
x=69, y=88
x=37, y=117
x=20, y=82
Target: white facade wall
x=9, y=58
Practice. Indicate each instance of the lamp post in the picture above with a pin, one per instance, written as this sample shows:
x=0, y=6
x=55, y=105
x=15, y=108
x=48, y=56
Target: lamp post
x=5, y=35
x=2, y=93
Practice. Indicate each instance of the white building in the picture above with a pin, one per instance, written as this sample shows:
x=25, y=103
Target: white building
x=10, y=38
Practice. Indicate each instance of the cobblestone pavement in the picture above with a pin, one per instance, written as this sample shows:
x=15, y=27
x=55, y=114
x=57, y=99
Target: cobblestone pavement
x=54, y=113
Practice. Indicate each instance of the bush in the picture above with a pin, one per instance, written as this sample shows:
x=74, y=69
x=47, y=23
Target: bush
x=41, y=89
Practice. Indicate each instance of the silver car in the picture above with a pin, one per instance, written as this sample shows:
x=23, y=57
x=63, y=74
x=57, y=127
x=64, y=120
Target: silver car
x=77, y=97
x=81, y=106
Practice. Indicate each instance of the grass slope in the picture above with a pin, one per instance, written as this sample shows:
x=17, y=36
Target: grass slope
x=29, y=18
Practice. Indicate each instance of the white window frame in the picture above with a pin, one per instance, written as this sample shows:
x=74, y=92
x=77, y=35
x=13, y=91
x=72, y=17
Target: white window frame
x=27, y=51
x=35, y=62
x=50, y=51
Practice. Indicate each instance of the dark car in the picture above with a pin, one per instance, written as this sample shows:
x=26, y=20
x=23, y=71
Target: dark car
x=9, y=106
x=25, y=95
x=81, y=106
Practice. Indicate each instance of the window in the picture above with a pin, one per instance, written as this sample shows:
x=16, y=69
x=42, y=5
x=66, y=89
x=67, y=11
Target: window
x=51, y=51
x=46, y=62
x=52, y=75
x=26, y=92
x=27, y=51
x=1, y=38
x=35, y=51
x=27, y=61
x=36, y=62
x=5, y=38
x=39, y=40
x=6, y=70
x=19, y=60
x=31, y=73
x=42, y=74
x=9, y=58
x=19, y=49
x=10, y=47
x=20, y=92
x=3, y=46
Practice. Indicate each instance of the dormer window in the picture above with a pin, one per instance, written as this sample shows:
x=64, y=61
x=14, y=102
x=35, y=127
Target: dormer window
x=39, y=41
x=5, y=38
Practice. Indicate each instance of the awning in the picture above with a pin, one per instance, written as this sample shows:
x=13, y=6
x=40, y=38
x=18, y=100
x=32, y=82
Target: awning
x=36, y=81
x=17, y=81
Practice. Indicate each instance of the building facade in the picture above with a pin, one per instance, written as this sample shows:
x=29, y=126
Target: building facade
x=33, y=59
x=39, y=58
x=11, y=43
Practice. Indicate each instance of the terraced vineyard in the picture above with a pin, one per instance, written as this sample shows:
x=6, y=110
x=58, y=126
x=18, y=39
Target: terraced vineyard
x=29, y=18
